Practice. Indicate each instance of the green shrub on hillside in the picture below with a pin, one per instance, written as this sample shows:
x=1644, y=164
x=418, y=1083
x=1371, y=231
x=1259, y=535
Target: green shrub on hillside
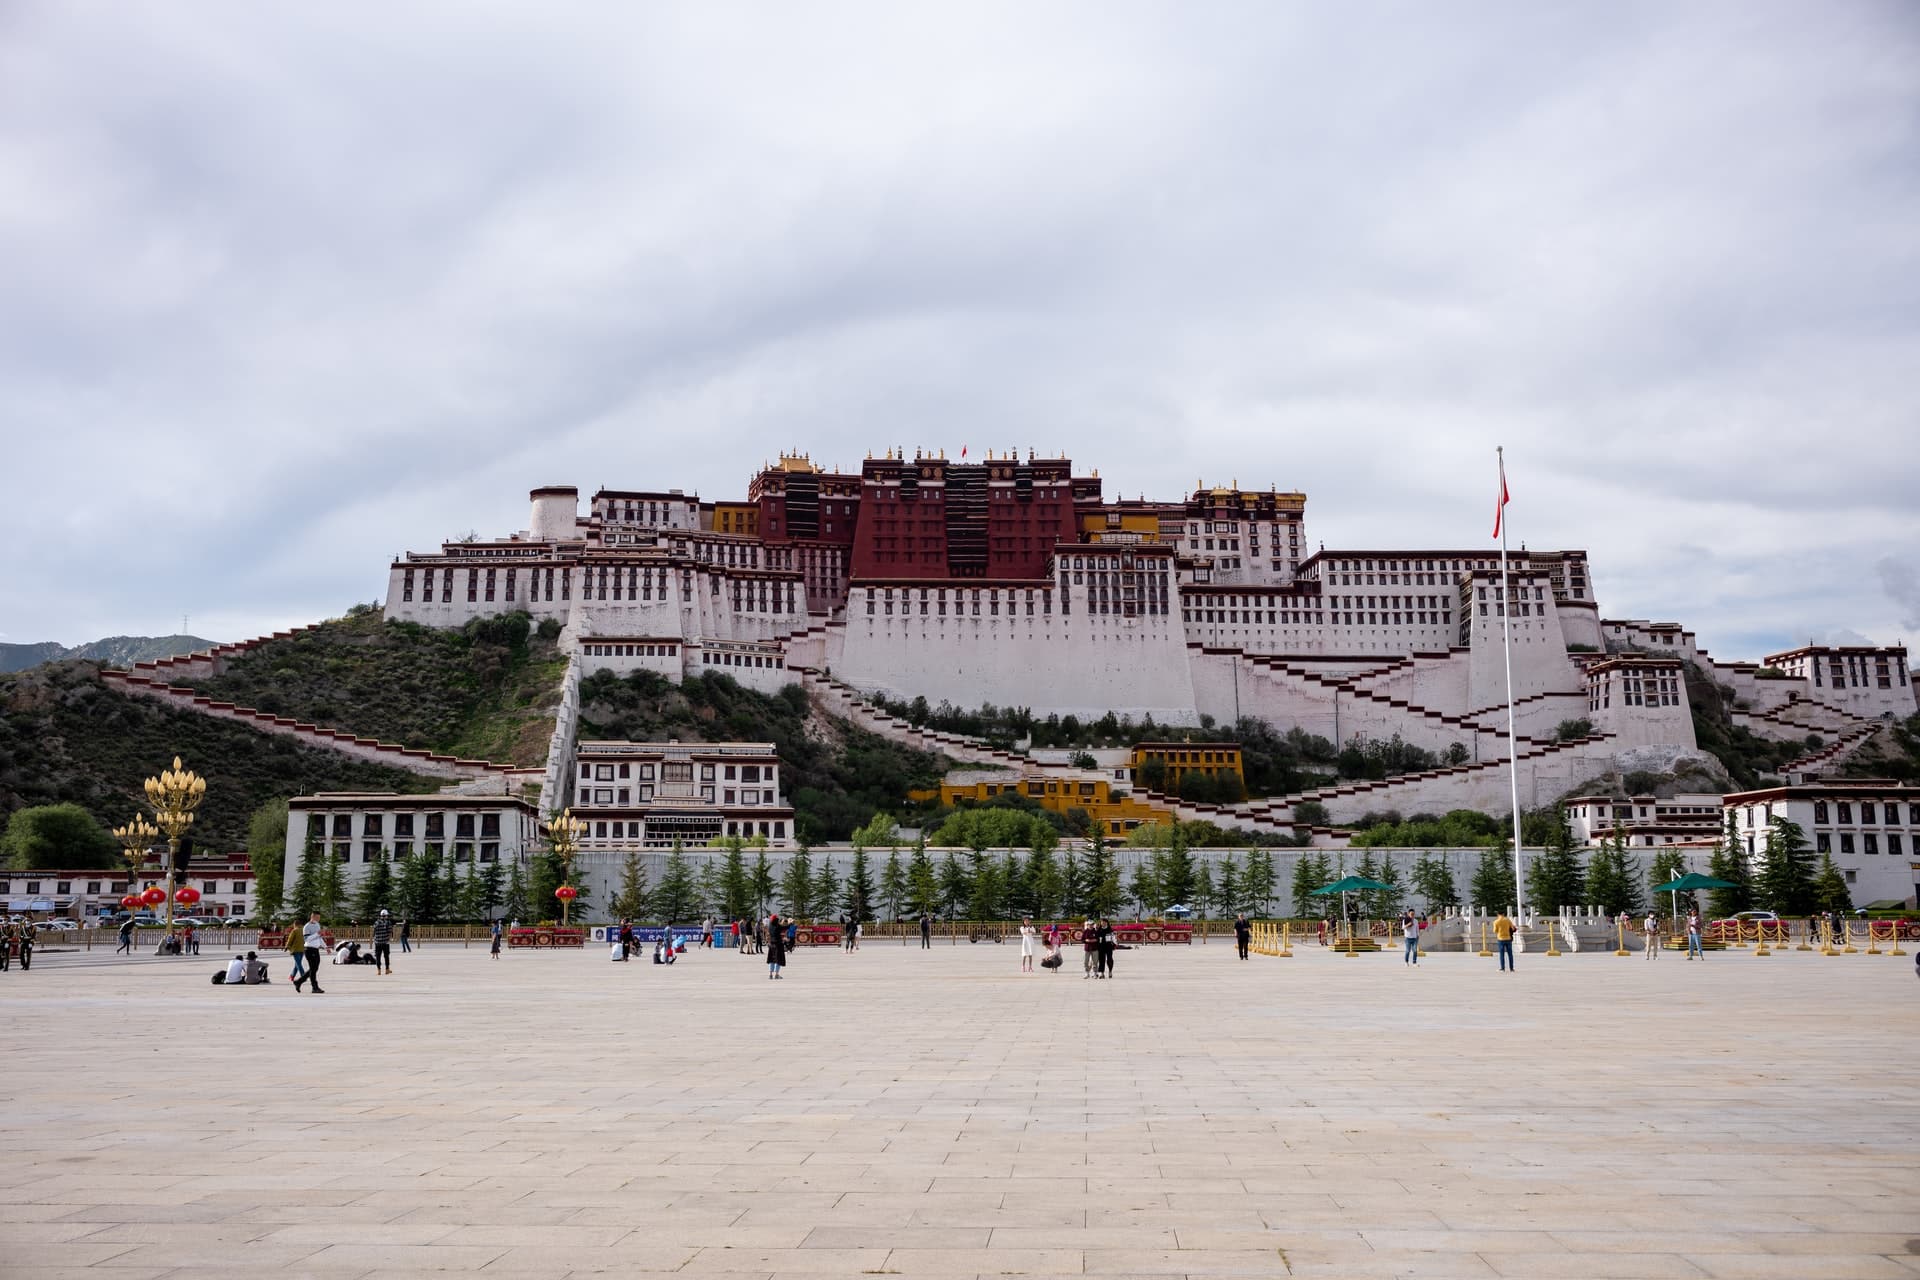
x=67, y=738
x=485, y=691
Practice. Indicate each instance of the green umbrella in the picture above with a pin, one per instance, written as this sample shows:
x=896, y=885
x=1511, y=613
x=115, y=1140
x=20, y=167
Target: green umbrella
x=1691, y=881
x=1352, y=884
x=1687, y=884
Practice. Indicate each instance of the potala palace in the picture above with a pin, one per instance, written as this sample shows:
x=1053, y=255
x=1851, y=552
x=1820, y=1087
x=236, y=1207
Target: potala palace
x=1014, y=581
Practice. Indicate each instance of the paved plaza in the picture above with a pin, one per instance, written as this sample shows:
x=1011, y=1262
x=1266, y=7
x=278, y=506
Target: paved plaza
x=899, y=1112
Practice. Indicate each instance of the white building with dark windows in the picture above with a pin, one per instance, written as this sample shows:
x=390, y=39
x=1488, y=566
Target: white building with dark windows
x=648, y=795
x=224, y=881
x=359, y=828
x=1645, y=821
x=1869, y=826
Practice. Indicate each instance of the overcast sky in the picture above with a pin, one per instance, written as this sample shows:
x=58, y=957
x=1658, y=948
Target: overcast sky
x=288, y=289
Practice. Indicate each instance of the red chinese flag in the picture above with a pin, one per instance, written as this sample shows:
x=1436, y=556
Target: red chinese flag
x=963, y=451
x=1500, y=506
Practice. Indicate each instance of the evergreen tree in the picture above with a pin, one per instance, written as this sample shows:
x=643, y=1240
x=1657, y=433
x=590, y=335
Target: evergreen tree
x=267, y=850
x=983, y=887
x=631, y=902
x=414, y=888
x=677, y=898
x=1203, y=890
x=1073, y=886
x=736, y=884
x=1314, y=871
x=893, y=885
x=955, y=886
x=1786, y=881
x=473, y=894
x=1043, y=884
x=923, y=882
x=330, y=887
x=859, y=887
x=1730, y=863
x=1613, y=879
x=761, y=883
x=709, y=887
x=1227, y=887
x=1386, y=902
x=1176, y=871
x=1012, y=879
x=1556, y=879
x=446, y=894
x=376, y=889
x=826, y=888
x=1830, y=888
x=1368, y=869
x=1146, y=888
x=796, y=885
x=514, y=905
x=543, y=877
x=1492, y=887
x=1433, y=881
x=306, y=884
x=492, y=889
x=1257, y=883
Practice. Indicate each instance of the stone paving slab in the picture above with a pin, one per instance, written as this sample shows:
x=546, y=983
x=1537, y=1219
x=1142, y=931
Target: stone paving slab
x=939, y=1114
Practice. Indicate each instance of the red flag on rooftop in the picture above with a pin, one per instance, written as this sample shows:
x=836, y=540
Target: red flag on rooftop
x=963, y=451
x=1500, y=506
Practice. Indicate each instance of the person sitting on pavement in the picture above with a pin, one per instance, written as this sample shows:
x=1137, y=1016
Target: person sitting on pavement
x=256, y=970
x=236, y=970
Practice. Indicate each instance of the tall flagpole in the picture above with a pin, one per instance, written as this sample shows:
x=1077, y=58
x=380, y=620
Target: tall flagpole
x=1506, y=652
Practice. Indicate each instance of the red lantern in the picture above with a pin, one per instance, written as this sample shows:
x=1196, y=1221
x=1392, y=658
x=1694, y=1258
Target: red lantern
x=566, y=893
x=130, y=901
x=154, y=895
x=186, y=895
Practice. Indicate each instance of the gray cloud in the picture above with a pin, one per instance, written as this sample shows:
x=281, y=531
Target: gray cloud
x=291, y=292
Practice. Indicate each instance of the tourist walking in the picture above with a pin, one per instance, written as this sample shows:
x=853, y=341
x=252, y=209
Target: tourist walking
x=1105, y=963
x=1694, y=950
x=1503, y=941
x=1242, y=936
x=126, y=937
x=926, y=931
x=776, y=946
x=312, y=939
x=846, y=934
x=406, y=935
x=383, y=942
x=1651, y=928
x=1410, y=933
x=297, y=948
x=1027, y=936
x=706, y=932
x=493, y=943
x=1090, y=947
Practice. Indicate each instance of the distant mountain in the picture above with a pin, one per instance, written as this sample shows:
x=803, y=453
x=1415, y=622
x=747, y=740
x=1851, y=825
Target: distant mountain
x=118, y=651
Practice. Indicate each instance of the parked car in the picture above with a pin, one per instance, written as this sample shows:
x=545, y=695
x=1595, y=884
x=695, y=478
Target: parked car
x=61, y=924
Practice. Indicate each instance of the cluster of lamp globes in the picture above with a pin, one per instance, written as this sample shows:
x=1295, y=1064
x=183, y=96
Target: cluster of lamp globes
x=563, y=837
x=173, y=797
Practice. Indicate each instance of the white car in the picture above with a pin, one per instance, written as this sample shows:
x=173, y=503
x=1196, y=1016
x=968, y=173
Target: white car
x=62, y=925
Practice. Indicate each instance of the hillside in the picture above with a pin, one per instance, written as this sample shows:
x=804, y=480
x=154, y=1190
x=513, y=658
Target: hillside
x=1749, y=758
x=835, y=775
x=114, y=651
x=486, y=692
x=64, y=736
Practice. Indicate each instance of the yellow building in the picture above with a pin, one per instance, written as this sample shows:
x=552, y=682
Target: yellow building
x=737, y=517
x=1181, y=758
x=1118, y=814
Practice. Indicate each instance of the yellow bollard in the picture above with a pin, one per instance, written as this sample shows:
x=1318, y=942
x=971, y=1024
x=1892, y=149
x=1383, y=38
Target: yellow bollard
x=1760, y=938
x=1553, y=943
x=1286, y=939
x=1620, y=926
x=1846, y=938
x=1806, y=941
x=1872, y=949
x=1483, y=937
x=1826, y=939
x=1895, y=949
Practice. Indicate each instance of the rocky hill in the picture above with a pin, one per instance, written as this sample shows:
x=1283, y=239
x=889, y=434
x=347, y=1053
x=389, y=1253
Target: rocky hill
x=114, y=651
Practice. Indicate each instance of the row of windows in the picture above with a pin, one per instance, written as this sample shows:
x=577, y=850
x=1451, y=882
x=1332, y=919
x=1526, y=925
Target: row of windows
x=773, y=829
x=101, y=886
x=1869, y=812
x=432, y=825
x=375, y=851
x=633, y=650
x=1869, y=841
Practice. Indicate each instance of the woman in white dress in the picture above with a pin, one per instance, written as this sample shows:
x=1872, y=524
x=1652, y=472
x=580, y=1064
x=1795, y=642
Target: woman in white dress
x=1027, y=936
